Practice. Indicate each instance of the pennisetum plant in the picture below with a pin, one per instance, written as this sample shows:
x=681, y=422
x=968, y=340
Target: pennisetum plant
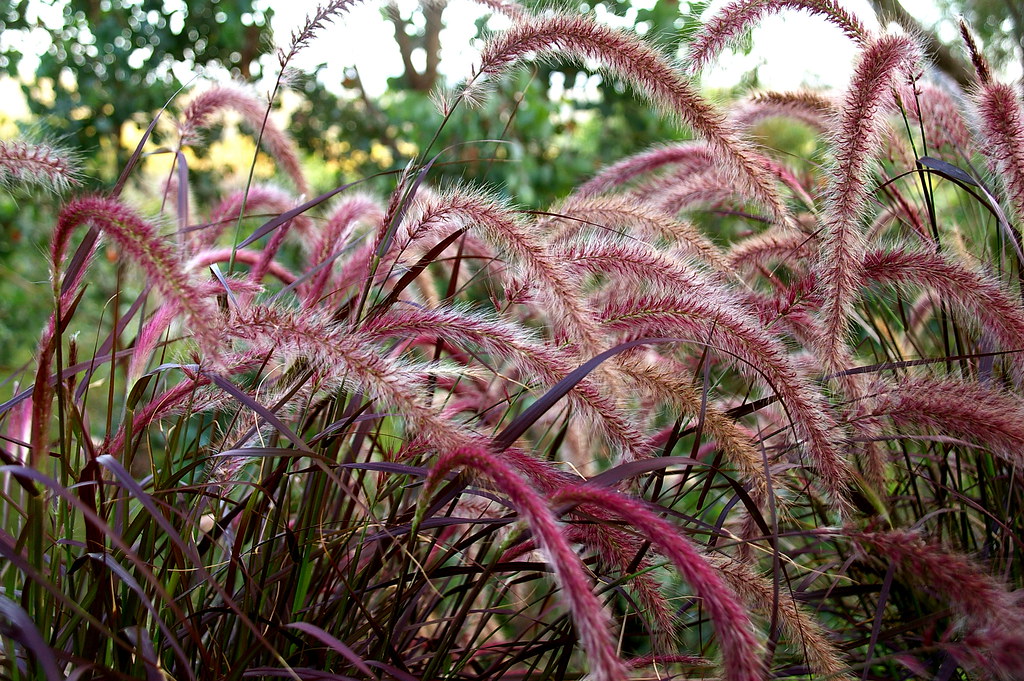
x=714, y=413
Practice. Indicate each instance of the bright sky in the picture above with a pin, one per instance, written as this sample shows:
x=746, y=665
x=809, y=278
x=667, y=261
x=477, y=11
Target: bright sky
x=793, y=48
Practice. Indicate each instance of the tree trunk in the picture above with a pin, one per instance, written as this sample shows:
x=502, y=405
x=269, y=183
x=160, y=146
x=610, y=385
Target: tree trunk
x=944, y=58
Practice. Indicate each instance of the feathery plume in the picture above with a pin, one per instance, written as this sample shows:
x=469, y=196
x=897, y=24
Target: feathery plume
x=724, y=28
x=810, y=108
x=682, y=189
x=623, y=214
x=791, y=309
x=634, y=261
x=967, y=409
x=758, y=592
x=41, y=165
x=188, y=394
x=651, y=660
x=619, y=550
x=259, y=200
x=731, y=330
x=335, y=234
x=1001, y=128
x=979, y=297
x=151, y=332
x=651, y=75
x=860, y=125
x=509, y=8
x=255, y=113
x=680, y=192
x=141, y=244
x=738, y=646
x=782, y=244
x=981, y=65
x=993, y=621
x=244, y=256
x=659, y=379
x=266, y=261
x=17, y=430
x=528, y=354
x=346, y=357
x=524, y=249
x=301, y=37
x=684, y=155
x=592, y=622
x=939, y=113
x=147, y=340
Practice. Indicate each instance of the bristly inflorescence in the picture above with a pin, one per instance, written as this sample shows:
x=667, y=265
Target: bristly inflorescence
x=651, y=75
x=858, y=133
x=720, y=404
x=729, y=24
x=24, y=163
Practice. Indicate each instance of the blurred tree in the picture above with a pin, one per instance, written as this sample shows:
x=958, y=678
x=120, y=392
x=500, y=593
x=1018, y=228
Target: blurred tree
x=427, y=41
x=998, y=23
x=109, y=61
x=556, y=122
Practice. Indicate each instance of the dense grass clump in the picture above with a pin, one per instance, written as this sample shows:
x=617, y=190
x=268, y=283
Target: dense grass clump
x=719, y=413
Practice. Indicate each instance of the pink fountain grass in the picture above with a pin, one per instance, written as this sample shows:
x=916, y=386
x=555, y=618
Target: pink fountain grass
x=734, y=20
x=810, y=108
x=192, y=395
x=685, y=190
x=652, y=76
x=157, y=325
x=859, y=133
x=637, y=264
x=971, y=410
x=140, y=243
x=255, y=113
x=737, y=644
x=621, y=214
x=528, y=354
x=266, y=261
x=323, y=15
x=40, y=165
x=1001, y=126
x=978, y=297
x=684, y=155
x=792, y=309
x=775, y=245
x=148, y=339
x=732, y=332
x=622, y=551
x=661, y=380
x=938, y=111
x=524, y=250
x=509, y=8
x=993, y=619
x=334, y=235
x=758, y=593
x=434, y=333
x=258, y=200
x=665, y=660
x=592, y=622
x=981, y=65
x=244, y=256
x=346, y=358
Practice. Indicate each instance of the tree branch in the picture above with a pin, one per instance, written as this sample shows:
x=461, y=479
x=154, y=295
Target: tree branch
x=945, y=59
x=405, y=44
